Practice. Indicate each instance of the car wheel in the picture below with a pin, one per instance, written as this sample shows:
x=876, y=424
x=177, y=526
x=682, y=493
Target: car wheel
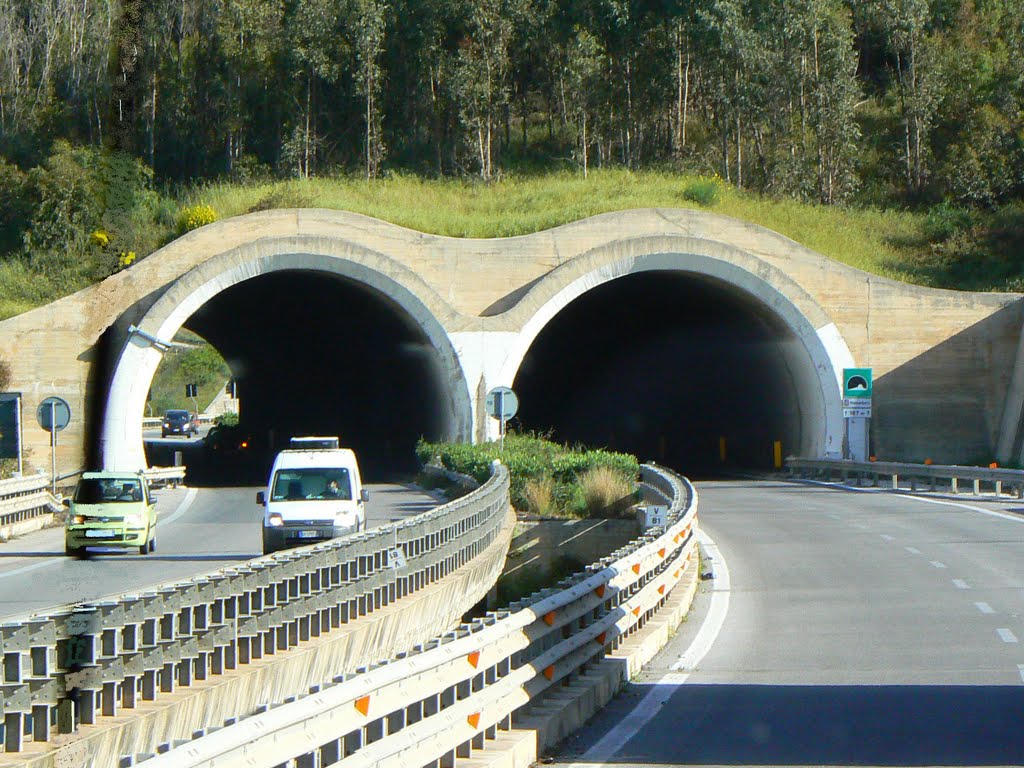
x=76, y=552
x=152, y=544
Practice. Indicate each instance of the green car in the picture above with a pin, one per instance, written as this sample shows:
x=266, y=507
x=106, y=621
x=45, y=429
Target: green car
x=110, y=509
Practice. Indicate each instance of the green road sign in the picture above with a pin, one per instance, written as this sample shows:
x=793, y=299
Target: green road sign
x=857, y=382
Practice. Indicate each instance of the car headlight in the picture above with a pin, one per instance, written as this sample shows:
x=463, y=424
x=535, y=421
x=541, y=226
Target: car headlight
x=133, y=521
x=275, y=520
x=77, y=519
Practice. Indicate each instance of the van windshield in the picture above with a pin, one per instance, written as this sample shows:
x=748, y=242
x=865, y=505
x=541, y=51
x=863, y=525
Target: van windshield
x=312, y=483
x=107, y=489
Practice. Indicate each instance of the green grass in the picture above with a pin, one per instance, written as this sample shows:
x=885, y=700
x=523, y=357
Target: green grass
x=873, y=240
x=900, y=245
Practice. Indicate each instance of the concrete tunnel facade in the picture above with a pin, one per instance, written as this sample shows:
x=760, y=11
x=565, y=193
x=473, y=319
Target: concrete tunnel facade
x=482, y=307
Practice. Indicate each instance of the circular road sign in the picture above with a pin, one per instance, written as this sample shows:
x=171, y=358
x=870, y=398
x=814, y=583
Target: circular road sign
x=56, y=409
x=501, y=403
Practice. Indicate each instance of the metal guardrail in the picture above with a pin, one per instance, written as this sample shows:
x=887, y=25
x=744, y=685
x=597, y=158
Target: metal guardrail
x=160, y=476
x=80, y=663
x=447, y=697
x=25, y=498
x=994, y=479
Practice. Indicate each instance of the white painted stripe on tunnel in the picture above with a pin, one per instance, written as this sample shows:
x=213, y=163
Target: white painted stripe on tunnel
x=984, y=607
x=913, y=550
x=961, y=584
x=58, y=557
x=649, y=706
x=937, y=564
x=1006, y=635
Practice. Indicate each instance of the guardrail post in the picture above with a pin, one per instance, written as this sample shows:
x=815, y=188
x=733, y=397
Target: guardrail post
x=999, y=487
x=953, y=487
x=895, y=481
x=977, y=487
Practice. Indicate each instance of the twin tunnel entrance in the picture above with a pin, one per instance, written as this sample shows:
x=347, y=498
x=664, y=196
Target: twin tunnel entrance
x=672, y=366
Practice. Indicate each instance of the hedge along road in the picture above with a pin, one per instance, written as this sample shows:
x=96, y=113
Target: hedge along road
x=198, y=531
x=862, y=628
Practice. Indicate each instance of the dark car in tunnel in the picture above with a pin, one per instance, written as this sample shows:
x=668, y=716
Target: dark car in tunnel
x=179, y=422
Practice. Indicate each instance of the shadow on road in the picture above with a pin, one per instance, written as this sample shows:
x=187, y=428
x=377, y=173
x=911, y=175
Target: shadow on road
x=830, y=725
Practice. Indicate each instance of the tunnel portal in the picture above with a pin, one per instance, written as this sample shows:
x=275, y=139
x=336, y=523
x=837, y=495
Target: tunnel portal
x=665, y=365
x=318, y=354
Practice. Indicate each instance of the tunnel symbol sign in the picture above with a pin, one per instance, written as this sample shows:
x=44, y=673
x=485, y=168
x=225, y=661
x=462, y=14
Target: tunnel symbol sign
x=857, y=382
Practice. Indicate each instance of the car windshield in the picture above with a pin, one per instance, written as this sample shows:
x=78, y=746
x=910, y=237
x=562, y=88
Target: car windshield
x=108, y=489
x=314, y=483
x=175, y=415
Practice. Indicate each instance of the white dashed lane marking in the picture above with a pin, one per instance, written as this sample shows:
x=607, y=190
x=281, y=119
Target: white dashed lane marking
x=937, y=564
x=887, y=537
x=1006, y=635
x=960, y=584
x=984, y=607
x=913, y=550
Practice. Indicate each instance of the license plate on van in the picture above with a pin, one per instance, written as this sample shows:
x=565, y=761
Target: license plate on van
x=307, y=534
x=100, y=534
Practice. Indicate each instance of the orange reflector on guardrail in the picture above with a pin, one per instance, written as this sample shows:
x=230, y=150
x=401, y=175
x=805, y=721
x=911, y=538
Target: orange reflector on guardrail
x=636, y=611
x=661, y=552
x=600, y=638
x=549, y=672
x=549, y=618
x=363, y=704
x=636, y=569
x=473, y=659
x=600, y=591
x=474, y=719
x=661, y=590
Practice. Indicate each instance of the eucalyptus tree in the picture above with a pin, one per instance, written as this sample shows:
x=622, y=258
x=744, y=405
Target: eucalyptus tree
x=370, y=23
x=482, y=67
x=585, y=63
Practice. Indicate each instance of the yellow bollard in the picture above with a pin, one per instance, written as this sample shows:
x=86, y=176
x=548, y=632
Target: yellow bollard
x=778, y=454
x=721, y=449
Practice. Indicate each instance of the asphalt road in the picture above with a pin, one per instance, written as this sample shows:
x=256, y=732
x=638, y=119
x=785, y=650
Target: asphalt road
x=199, y=530
x=841, y=628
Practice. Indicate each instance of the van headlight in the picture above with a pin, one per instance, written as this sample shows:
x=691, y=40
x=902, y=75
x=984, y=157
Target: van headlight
x=275, y=520
x=78, y=519
x=133, y=521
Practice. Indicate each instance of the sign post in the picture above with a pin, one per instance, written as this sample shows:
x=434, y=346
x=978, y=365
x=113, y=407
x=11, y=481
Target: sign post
x=858, y=386
x=53, y=415
x=501, y=404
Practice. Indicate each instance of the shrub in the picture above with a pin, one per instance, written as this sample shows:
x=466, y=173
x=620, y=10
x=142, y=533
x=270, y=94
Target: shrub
x=945, y=220
x=195, y=216
x=702, y=191
x=228, y=419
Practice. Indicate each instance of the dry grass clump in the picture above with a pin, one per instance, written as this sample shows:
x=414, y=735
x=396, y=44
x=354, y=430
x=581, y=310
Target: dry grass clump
x=602, y=487
x=539, y=495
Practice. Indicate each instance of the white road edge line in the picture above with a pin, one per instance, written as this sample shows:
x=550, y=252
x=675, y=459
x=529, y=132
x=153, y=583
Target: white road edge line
x=984, y=607
x=961, y=584
x=1006, y=635
x=58, y=557
x=651, y=704
x=913, y=550
x=906, y=495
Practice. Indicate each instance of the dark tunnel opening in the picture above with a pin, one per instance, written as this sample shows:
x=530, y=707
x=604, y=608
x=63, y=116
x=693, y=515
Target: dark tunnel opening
x=316, y=354
x=666, y=365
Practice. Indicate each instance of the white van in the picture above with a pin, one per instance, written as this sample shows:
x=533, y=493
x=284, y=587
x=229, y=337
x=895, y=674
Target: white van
x=314, y=493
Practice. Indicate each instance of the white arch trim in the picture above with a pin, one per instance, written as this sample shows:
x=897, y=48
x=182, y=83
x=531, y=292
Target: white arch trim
x=121, y=437
x=826, y=349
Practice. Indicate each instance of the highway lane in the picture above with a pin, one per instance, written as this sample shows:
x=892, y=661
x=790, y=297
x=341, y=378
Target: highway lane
x=854, y=628
x=198, y=531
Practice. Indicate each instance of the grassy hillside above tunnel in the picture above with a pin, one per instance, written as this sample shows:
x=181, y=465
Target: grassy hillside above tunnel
x=943, y=247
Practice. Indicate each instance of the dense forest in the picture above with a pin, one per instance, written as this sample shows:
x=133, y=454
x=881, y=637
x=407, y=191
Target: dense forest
x=890, y=103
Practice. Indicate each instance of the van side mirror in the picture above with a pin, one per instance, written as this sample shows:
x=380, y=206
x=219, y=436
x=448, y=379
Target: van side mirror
x=261, y=497
x=66, y=502
x=364, y=495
